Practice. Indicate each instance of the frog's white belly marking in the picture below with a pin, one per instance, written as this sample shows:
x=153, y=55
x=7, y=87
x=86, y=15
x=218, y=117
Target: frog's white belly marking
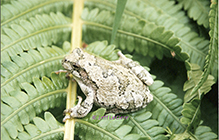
x=120, y=86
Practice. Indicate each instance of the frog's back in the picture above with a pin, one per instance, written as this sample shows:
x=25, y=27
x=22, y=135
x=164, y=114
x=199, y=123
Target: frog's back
x=118, y=87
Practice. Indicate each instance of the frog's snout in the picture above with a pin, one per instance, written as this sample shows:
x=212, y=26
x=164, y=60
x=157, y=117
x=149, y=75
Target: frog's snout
x=66, y=64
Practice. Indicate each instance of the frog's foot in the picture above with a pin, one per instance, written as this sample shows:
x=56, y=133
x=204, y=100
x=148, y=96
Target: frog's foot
x=67, y=74
x=145, y=77
x=59, y=71
x=120, y=54
x=72, y=111
x=136, y=68
x=123, y=60
x=81, y=109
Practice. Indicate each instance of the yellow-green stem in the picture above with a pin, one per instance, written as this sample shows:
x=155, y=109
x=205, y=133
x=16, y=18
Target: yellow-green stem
x=72, y=87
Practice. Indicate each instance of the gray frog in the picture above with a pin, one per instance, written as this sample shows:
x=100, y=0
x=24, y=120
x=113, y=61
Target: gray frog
x=120, y=86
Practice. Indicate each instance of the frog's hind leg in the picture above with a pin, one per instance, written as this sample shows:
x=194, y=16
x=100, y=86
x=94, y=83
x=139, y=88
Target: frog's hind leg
x=137, y=69
x=82, y=108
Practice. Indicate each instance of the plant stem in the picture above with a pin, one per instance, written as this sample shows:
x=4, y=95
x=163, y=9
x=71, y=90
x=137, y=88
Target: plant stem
x=75, y=42
x=77, y=24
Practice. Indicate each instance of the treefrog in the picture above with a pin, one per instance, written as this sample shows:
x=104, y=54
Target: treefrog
x=120, y=86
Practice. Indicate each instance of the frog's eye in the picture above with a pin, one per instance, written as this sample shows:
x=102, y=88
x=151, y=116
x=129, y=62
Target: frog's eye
x=64, y=60
x=75, y=65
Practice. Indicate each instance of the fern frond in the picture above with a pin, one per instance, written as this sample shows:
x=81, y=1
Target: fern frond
x=19, y=107
x=49, y=128
x=156, y=12
x=194, y=77
x=147, y=38
x=201, y=133
x=168, y=8
x=190, y=42
x=104, y=50
x=213, y=50
x=109, y=127
x=198, y=10
x=160, y=5
x=32, y=34
x=191, y=114
x=204, y=132
x=166, y=107
x=145, y=126
x=23, y=67
x=18, y=10
x=5, y=1
x=105, y=128
x=192, y=117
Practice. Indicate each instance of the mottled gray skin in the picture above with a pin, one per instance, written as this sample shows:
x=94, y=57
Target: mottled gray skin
x=119, y=86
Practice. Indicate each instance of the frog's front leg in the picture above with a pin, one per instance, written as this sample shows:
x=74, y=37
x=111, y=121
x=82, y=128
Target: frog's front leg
x=137, y=69
x=81, y=109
